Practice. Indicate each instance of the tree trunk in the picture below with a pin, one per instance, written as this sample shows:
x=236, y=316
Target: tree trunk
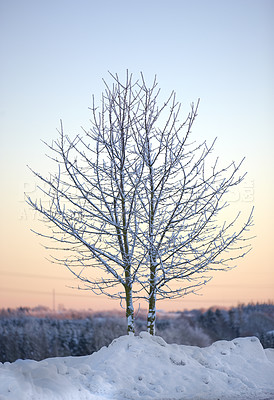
x=151, y=318
x=129, y=301
x=129, y=310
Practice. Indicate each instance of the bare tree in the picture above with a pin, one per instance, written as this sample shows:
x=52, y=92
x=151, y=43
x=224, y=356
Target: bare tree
x=137, y=200
x=182, y=196
x=93, y=198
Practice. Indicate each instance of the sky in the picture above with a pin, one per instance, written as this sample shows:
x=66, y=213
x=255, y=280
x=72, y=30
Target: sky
x=54, y=55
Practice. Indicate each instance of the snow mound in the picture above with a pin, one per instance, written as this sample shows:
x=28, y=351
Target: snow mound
x=146, y=367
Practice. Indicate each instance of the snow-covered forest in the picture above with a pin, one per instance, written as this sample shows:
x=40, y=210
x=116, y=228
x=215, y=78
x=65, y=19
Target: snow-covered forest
x=41, y=333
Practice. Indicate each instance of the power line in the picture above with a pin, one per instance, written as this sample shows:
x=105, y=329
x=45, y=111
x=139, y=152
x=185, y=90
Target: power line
x=46, y=293
x=20, y=274
x=183, y=300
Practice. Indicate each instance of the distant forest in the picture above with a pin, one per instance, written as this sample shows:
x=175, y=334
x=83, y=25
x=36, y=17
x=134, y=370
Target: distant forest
x=40, y=333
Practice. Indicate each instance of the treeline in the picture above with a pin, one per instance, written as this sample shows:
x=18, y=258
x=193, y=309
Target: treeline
x=41, y=333
x=245, y=320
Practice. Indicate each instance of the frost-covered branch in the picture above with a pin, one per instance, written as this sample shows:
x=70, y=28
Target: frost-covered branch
x=135, y=206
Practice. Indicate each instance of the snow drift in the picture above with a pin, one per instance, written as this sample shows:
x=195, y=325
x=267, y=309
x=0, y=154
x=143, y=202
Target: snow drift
x=146, y=367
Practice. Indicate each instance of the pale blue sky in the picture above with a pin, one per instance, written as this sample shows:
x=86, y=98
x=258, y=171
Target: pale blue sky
x=55, y=53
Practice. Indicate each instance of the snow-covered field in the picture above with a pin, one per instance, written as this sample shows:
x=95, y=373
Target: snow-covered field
x=146, y=367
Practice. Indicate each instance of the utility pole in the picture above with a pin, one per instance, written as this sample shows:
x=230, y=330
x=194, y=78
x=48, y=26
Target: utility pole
x=53, y=299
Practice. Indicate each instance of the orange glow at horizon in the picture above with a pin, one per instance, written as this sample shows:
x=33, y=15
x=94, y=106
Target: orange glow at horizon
x=28, y=279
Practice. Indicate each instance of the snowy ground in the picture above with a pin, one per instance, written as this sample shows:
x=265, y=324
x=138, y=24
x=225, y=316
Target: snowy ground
x=145, y=367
